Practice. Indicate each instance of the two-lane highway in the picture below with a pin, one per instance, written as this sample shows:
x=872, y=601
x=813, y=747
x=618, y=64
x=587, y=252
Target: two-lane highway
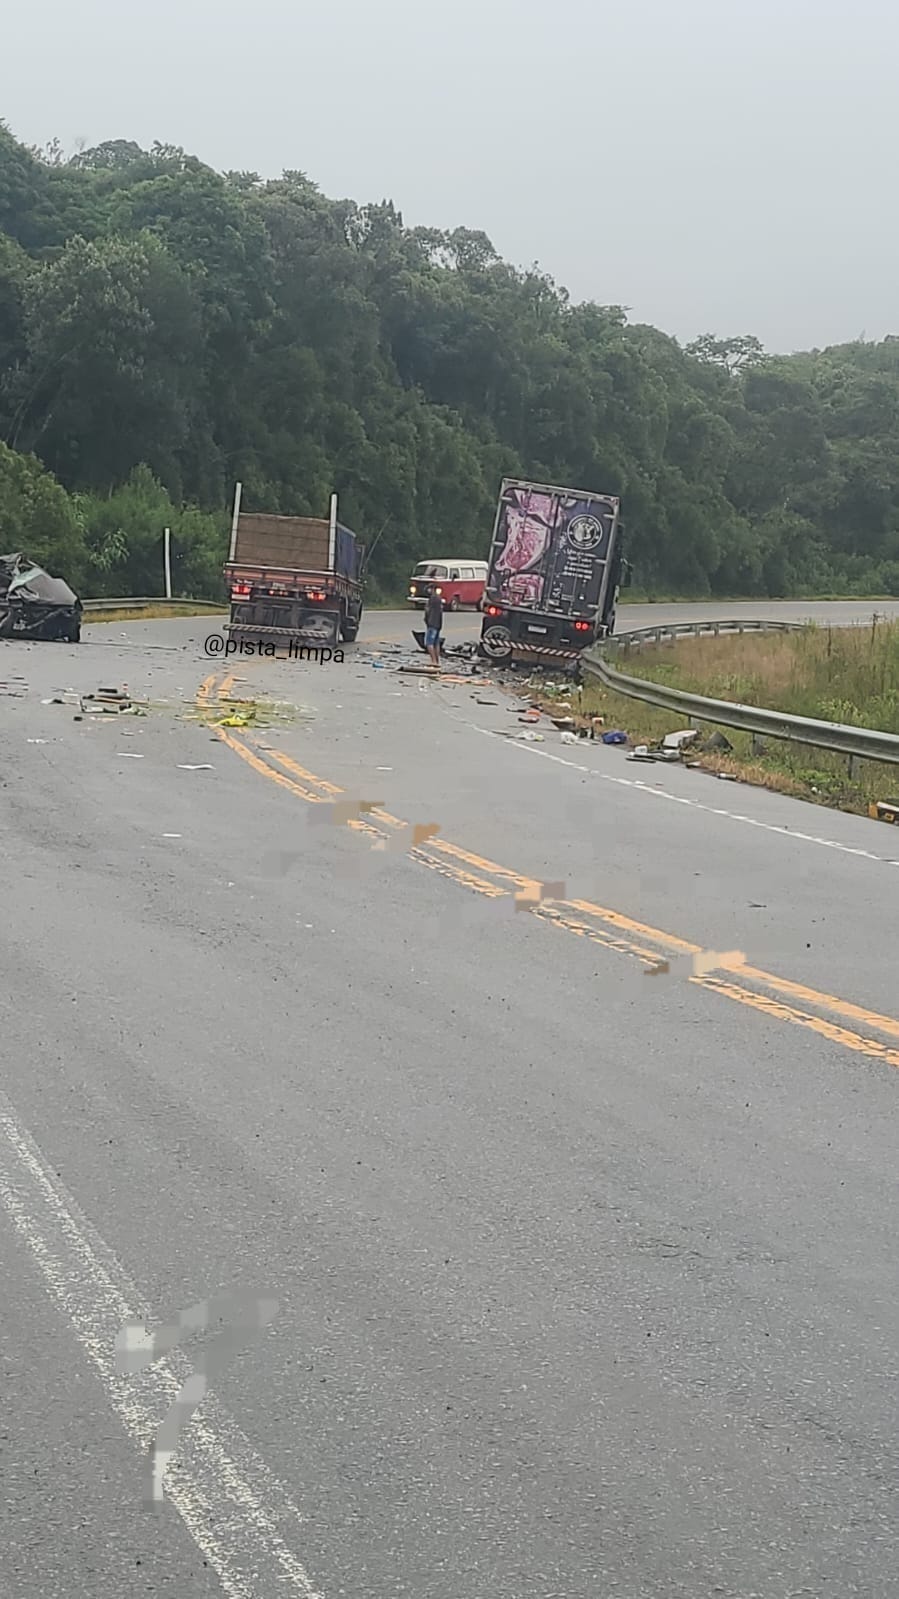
x=586, y=1278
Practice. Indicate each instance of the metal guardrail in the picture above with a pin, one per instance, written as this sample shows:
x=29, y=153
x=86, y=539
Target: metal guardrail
x=859, y=743
x=131, y=602
x=671, y=630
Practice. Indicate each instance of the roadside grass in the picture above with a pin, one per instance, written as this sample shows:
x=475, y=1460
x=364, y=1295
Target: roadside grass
x=162, y=611
x=848, y=675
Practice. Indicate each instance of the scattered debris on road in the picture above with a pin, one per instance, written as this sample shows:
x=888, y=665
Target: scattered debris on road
x=109, y=702
x=716, y=743
x=657, y=753
x=884, y=811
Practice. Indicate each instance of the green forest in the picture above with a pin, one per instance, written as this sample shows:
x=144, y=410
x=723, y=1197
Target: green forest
x=166, y=329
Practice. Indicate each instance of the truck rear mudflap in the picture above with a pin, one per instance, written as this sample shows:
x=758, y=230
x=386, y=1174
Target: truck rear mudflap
x=527, y=652
x=315, y=628
x=507, y=635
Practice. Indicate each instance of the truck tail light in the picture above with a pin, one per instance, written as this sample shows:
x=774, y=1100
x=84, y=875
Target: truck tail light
x=582, y=627
x=493, y=610
x=316, y=594
x=240, y=591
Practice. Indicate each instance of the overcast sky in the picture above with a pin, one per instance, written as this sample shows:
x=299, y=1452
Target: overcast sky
x=724, y=166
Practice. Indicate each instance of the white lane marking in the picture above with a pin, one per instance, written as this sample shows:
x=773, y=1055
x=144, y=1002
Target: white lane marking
x=229, y=1501
x=680, y=799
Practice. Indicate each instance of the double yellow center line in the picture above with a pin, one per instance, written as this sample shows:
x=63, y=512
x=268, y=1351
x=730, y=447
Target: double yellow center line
x=852, y=1026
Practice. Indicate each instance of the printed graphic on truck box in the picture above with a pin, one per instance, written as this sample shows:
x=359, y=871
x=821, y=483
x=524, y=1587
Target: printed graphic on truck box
x=550, y=549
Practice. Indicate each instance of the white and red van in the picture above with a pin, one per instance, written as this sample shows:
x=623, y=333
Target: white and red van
x=460, y=583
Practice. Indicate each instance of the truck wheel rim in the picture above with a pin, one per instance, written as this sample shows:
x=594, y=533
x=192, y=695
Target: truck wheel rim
x=497, y=641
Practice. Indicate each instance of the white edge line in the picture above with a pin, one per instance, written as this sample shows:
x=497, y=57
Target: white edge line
x=228, y=1500
x=680, y=799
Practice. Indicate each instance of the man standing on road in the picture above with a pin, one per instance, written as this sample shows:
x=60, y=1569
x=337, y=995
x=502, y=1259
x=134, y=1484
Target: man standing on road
x=433, y=625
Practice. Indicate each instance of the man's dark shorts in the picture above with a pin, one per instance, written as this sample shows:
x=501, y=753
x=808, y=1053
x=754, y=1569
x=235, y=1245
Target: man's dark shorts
x=432, y=637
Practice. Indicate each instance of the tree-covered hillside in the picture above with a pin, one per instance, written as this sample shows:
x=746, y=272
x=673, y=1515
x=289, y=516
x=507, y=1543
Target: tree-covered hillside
x=166, y=330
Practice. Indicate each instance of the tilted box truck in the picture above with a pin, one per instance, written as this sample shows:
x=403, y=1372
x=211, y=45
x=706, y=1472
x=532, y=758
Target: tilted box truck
x=555, y=568
x=294, y=577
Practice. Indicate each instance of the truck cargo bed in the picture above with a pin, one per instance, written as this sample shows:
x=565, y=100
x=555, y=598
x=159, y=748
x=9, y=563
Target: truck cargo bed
x=298, y=543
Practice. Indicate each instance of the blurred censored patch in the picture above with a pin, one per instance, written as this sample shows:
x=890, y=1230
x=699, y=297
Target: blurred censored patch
x=528, y=898
x=279, y=862
x=406, y=837
x=235, y=1318
x=339, y=813
x=704, y=963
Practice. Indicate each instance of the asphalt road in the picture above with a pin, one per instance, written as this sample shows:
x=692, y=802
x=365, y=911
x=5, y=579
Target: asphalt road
x=586, y=1279
x=395, y=625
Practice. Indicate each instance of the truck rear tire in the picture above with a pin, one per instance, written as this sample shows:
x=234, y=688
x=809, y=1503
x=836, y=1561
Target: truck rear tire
x=349, y=626
x=496, y=643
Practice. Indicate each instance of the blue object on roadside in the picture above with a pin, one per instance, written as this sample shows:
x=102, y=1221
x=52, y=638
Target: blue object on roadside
x=614, y=738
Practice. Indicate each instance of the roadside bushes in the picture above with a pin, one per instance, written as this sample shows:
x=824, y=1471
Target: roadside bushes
x=112, y=544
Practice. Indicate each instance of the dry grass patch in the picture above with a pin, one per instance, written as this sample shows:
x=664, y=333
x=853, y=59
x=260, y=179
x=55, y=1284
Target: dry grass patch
x=848, y=675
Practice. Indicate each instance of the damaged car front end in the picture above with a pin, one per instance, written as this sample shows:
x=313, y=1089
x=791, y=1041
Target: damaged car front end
x=34, y=605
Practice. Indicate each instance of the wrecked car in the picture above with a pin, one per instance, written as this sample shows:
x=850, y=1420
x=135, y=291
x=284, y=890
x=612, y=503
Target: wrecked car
x=35, y=605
